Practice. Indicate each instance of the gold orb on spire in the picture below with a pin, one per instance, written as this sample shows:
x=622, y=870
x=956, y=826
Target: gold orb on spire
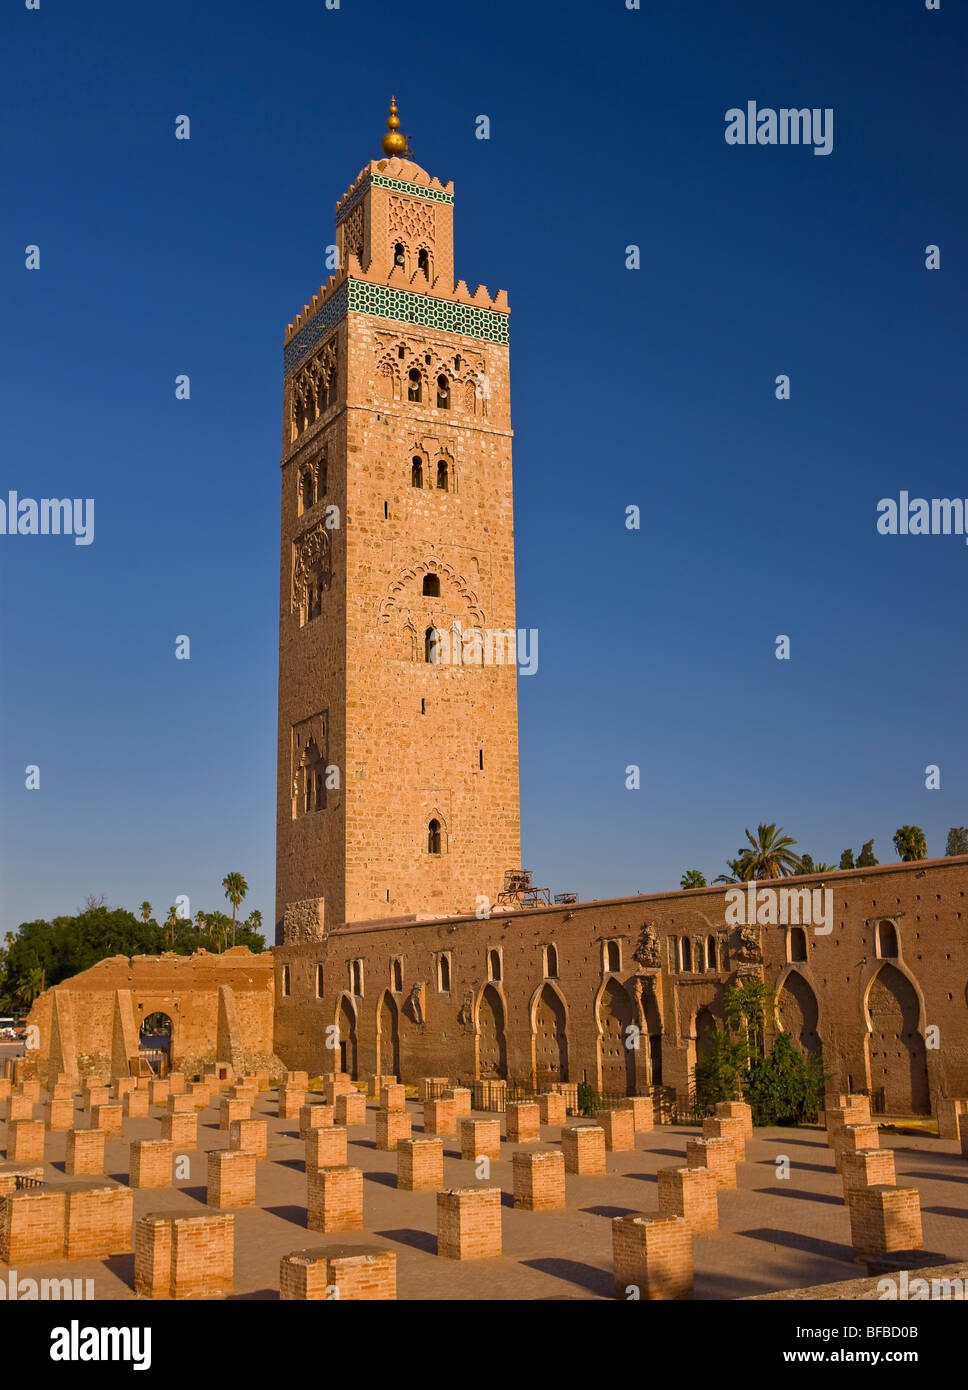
x=393, y=142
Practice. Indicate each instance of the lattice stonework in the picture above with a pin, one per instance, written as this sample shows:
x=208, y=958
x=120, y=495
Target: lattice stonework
x=412, y=190
x=380, y=302
x=311, y=564
x=353, y=233
x=412, y=219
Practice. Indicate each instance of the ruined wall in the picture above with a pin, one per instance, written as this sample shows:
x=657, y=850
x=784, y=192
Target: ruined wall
x=870, y=1012
x=90, y=1023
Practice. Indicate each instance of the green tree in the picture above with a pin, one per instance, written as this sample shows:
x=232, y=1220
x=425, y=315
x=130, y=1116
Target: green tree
x=235, y=890
x=146, y=911
x=769, y=854
x=746, y=1006
x=693, y=878
x=866, y=859
x=910, y=843
x=733, y=876
x=806, y=864
x=847, y=859
x=720, y=1071
x=786, y=1087
x=957, y=841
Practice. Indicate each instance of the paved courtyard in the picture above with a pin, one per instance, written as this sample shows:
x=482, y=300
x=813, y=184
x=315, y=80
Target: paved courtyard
x=775, y=1232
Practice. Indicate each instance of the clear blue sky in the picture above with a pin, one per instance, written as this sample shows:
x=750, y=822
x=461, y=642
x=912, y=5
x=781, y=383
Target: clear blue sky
x=653, y=387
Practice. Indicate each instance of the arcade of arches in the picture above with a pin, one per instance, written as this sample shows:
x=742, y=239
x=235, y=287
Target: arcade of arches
x=606, y=993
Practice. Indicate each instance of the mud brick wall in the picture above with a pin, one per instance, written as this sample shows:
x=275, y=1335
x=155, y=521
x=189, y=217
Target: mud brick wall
x=98, y=1222
x=926, y=903
x=25, y=1140
x=737, y=1109
x=345, y=1273
x=151, y=1163
x=391, y=1127
x=868, y=1168
x=85, y=1152
x=315, y=1117
x=420, y=1165
x=9, y=1172
x=469, y=1223
x=231, y=1178
x=181, y=1130
x=539, y=1179
x=884, y=1218
x=334, y=1199
x=653, y=1256
x=551, y=1109
x=619, y=1127
x=727, y=1127
x=480, y=1139
x=350, y=1109
x=584, y=1148
x=523, y=1119
x=250, y=1135
x=135, y=1105
x=439, y=1117
x=32, y=1226
x=184, y=1256
x=643, y=1113
x=691, y=1194
x=715, y=1154
x=326, y=1147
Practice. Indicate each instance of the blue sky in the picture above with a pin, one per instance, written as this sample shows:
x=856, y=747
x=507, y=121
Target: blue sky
x=652, y=387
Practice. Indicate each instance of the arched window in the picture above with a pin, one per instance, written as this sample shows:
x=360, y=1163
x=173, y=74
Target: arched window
x=612, y=956
x=443, y=393
x=685, y=948
x=356, y=977
x=798, y=943
x=398, y=257
x=443, y=974
x=494, y=964
x=433, y=837
x=286, y=981
x=416, y=473
x=320, y=792
x=443, y=476
x=319, y=982
x=711, y=962
x=414, y=383
x=423, y=261
x=307, y=490
x=431, y=585
x=401, y=350
x=551, y=962
x=457, y=363
x=432, y=646
x=886, y=940
x=321, y=471
x=397, y=976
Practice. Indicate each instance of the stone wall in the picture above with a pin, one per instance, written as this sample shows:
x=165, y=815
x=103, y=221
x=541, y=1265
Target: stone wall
x=545, y=1020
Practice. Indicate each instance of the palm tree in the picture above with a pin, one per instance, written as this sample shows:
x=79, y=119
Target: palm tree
x=145, y=910
x=733, y=876
x=910, y=843
x=199, y=922
x=768, y=855
x=693, y=878
x=32, y=986
x=170, y=924
x=255, y=920
x=235, y=890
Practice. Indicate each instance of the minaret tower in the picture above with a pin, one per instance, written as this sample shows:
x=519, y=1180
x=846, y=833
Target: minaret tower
x=398, y=755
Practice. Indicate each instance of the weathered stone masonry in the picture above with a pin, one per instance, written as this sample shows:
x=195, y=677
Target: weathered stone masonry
x=894, y=965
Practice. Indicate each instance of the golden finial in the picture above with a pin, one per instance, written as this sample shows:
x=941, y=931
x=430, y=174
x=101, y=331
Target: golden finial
x=393, y=142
